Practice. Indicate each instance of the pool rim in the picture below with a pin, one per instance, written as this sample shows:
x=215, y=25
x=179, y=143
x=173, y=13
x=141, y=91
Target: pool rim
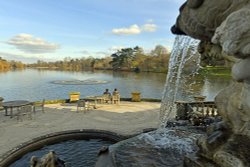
x=37, y=143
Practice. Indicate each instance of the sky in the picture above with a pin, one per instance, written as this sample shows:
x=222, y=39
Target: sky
x=51, y=30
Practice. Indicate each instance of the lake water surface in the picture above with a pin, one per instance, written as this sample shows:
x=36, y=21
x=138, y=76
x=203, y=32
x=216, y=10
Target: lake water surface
x=32, y=84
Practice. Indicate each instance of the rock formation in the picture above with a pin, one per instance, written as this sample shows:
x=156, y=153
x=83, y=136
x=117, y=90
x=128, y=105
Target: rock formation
x=150, y=149
x=225, y=25
x=213, y=55
x=48, y=160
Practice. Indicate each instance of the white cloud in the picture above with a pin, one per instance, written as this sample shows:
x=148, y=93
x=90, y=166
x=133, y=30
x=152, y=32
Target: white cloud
x=135, y=29
x=30, y=44
x=149, y=27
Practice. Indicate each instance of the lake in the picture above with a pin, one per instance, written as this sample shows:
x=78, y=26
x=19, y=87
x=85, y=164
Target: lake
x=33, y=84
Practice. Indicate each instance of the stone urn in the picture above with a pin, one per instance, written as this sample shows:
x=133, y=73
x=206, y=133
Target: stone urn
x=136, y=96
x=74, y=96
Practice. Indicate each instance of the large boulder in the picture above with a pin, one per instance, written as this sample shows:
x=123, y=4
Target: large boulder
x=232, y=33
x=233, y=106
x=200, y=18
x=207, y=19
x=150, y=149
x=225, y=25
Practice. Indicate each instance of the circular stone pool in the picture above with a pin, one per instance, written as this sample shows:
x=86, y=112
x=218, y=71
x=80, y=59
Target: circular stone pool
x=73, y=152
x=80, y=82
x=72, y=146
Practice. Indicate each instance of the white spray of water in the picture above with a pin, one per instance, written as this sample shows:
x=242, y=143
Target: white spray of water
x=169, y=139
x=184, y=54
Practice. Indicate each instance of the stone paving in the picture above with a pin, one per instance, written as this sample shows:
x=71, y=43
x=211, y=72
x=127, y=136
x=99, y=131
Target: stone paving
x=127, y=118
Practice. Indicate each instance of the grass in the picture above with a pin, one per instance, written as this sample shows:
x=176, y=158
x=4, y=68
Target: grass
x=216, y=71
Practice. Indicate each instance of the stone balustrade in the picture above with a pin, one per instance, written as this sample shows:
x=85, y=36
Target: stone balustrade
x=199, y=109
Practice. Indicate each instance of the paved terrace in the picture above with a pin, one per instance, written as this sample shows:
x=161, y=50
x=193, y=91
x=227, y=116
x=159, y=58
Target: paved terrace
x=127, y=118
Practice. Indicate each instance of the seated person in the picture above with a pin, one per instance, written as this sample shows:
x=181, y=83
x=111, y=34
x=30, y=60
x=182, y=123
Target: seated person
x=115, y=92
x=107, y=96
x=116, y=97
x=106, y=92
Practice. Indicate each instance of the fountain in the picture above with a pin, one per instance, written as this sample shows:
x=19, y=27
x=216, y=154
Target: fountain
x=168, y=146
x=64, y=143
x=184, y=52
x=222, y=26
x=80, y=82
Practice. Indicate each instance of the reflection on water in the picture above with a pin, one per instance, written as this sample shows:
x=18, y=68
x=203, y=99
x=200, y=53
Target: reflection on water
x=36, y=84
x=212, y=86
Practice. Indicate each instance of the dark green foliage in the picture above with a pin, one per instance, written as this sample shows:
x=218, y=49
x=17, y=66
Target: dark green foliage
x=123, y=58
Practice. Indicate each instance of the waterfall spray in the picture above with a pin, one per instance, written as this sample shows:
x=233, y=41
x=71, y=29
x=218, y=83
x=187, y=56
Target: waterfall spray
x=184, y=52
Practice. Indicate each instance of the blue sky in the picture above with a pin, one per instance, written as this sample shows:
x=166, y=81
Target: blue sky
x=53, y=29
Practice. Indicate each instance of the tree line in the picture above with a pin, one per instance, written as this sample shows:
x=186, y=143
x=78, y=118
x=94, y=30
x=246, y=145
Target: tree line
x=126, y=59
x=8, y=65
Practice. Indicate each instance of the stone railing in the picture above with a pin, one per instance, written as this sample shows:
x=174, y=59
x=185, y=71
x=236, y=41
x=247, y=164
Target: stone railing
x=186, y=110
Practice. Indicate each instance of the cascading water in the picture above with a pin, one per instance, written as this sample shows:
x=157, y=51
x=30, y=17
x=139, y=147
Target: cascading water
x=169, y=145
x=184, y=54
x=165, y=146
